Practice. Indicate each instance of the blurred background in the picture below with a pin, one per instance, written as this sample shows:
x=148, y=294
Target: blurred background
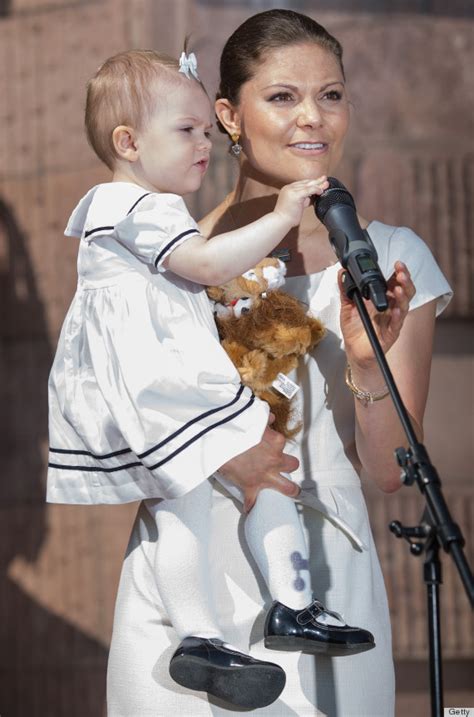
x=409, y=161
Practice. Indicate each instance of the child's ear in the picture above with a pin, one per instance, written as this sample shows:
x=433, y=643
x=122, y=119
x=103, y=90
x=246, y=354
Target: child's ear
x=123, y=139
x=228, y=116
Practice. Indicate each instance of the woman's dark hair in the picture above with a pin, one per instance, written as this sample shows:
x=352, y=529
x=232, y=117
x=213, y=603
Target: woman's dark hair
x=263, y=32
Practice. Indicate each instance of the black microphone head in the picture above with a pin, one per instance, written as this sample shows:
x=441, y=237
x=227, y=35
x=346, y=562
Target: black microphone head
x=335, y=194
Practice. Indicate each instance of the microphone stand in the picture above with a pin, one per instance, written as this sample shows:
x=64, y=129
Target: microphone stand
x=437, y=528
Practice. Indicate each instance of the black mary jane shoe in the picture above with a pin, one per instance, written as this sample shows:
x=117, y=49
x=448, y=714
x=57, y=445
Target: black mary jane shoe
x=208, y=665
x=291, y=630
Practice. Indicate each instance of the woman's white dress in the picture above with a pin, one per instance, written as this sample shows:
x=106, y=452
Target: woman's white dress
x=345, y=570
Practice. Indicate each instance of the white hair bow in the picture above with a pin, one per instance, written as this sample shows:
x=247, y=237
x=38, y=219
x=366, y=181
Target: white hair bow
x=188, y=65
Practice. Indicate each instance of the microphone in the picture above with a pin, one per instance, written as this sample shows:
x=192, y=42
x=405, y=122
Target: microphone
x=335, y=208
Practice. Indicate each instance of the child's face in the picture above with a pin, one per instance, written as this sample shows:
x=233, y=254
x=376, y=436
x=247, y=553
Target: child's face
x=174, y=147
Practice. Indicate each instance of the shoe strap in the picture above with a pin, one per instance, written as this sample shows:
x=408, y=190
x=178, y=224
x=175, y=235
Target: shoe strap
x=313, y=611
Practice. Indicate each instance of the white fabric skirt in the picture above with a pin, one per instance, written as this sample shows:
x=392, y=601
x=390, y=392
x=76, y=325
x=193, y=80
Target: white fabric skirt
x=346, y=578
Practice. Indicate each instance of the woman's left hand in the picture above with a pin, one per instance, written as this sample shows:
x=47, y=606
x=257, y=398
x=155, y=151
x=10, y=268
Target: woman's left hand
x=387, y=324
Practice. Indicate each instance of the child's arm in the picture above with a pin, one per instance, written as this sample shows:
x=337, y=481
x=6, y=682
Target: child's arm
x=221, y=258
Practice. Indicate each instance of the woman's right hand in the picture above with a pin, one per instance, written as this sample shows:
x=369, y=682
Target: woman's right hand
x=262, y=467
x=387, y=324
x=295, y=197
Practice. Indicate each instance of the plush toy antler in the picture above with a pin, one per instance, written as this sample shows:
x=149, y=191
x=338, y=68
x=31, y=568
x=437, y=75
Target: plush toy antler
x=265, y=332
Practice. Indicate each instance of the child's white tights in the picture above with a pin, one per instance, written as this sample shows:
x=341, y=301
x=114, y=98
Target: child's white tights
x=274, y=537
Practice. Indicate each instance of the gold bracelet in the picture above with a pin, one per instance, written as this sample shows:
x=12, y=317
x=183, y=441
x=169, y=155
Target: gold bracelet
x=364, y=396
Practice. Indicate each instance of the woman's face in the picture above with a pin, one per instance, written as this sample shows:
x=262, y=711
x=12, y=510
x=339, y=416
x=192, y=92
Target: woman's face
x=294, y=114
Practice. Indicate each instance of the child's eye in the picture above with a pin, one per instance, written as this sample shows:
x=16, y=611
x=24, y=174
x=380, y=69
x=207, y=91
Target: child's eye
x=187, y=129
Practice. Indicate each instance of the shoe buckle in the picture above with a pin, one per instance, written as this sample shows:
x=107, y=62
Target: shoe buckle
x=310, y=613
x=304, y=616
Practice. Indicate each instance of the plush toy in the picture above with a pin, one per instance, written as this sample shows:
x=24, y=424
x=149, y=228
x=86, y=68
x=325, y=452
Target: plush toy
x=265, y=332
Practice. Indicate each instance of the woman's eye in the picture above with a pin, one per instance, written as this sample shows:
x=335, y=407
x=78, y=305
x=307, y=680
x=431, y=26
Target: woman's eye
x=333, y=95
x=281, y=97
x=187, y=129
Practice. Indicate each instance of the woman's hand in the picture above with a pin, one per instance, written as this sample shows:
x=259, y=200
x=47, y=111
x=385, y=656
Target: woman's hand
x=261, y=467
x=387, y=324
x=408, y=339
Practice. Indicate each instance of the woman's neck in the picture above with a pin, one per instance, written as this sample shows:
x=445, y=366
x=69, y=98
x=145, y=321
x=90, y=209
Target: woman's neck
x=252, y=185
x=253, y=196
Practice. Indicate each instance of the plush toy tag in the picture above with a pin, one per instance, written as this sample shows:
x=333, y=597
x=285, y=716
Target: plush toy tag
x=285, y=385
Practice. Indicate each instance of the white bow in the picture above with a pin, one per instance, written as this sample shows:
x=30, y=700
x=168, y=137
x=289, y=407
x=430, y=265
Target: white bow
x=188, y=65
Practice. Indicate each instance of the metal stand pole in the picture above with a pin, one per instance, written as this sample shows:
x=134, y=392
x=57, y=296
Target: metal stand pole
x=439, y=529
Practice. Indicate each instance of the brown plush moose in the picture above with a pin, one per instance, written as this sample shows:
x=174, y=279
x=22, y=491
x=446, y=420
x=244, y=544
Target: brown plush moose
x=265, y=332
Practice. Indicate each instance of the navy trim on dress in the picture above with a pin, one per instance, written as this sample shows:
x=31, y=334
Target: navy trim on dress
x=97, y=229
x=138, y=200
x=123, y=451
x=92, y=455
x=197, y=436
x=101, y=229
x=95, y=469
x=191, y=422
x=172, y=243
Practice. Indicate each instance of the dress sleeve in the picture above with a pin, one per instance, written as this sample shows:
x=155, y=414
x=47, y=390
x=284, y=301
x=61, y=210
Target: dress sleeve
x=159, y=224
x=404, y=245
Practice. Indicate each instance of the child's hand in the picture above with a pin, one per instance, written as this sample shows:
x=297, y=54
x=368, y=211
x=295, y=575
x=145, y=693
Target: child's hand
x=295, y=197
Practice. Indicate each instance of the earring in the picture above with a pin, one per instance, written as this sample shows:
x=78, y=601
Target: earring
x=236, y=148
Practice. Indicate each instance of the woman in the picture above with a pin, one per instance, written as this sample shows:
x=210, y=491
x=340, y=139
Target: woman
x=284, y=103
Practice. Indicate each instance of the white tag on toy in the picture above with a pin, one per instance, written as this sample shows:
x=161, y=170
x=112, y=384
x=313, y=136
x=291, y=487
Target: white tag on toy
x=285, y=385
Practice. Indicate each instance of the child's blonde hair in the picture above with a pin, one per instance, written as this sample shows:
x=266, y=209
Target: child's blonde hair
x=123, y=92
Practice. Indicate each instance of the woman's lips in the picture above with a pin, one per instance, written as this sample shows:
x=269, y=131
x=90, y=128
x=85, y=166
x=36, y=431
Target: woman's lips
x=309, y=148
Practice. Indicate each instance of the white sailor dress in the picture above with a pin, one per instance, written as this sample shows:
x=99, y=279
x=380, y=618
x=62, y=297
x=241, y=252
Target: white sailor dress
x=143, y=401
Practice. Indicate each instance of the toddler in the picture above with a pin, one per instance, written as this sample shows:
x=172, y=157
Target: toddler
x=144, y=402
